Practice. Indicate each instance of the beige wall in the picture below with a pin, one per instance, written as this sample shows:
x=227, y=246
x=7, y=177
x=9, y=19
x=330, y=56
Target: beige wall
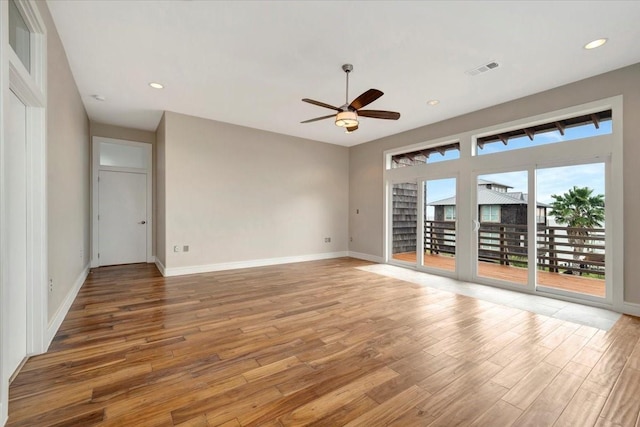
x=239, y=194
x=68, y=168
x=365, y=167
x=118, y=132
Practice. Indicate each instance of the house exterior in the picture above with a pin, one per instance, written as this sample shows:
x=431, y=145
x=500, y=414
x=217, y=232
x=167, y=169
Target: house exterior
x=496, y=204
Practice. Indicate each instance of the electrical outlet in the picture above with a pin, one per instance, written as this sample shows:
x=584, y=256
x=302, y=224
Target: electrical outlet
x=50, y=285
x=176, y=248
x=185, y=248
x=327, y=239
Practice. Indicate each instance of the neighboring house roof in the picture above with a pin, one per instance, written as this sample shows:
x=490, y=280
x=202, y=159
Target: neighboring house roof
x=492, y=197
x=485, y=182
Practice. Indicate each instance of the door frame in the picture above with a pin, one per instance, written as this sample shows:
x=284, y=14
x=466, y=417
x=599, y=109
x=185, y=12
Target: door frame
x=422, y=181
x=95, y=189
x=30, y=88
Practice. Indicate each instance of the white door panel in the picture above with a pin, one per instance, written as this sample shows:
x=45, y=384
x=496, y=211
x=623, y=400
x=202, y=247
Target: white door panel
x=16, y=199
x=122, y=218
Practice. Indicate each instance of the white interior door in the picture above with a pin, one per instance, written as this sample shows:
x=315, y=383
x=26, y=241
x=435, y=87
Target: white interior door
x=16, y=199
x=122, y=217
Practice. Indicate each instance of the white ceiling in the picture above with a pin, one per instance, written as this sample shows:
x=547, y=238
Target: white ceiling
x=250, y=62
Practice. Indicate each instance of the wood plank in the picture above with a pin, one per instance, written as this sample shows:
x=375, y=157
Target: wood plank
x=500, y=414
x=463, y=411
x=317, y=343
x=330, y=402
x=623, y=404
x=528, y=389
x=582, y=410
x=392, y=409
x=545, y=410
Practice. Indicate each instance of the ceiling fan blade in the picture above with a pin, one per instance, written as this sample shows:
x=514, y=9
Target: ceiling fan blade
x=352, y=129
x=378, y=114
x=320, y=104
x=365, y=99
x=318, y=118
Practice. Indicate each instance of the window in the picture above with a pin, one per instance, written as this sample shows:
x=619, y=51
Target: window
x=449, y=213
x=19, y=35
x=490, y=213
x=584, y=126
x=429, y=155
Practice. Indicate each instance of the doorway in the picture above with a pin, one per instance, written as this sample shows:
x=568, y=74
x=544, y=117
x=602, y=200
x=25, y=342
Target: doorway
x=122, y=200
x=440, y=219
x=122, y=217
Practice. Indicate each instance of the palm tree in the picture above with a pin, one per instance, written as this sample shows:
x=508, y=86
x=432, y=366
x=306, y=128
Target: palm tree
x=578, y=208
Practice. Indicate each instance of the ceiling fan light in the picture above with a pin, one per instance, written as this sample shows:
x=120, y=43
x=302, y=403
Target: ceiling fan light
x=346, y=119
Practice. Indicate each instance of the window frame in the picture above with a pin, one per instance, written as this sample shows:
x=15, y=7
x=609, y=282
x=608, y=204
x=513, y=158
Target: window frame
x=607, y=147
x=498, y=213
x=448, y=209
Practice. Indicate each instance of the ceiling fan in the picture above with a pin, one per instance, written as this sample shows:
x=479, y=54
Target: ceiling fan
x=347, y=116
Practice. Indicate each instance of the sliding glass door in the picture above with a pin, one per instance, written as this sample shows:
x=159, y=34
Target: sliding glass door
x=439, y=215
x=571, y=235
x=502, y=204
x=404, y=222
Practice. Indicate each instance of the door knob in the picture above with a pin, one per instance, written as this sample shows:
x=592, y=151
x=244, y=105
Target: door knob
x=142, y=222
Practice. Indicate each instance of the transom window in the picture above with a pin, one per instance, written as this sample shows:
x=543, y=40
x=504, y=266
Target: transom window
x=19, y=35
x=429, y=155
x=584, y=126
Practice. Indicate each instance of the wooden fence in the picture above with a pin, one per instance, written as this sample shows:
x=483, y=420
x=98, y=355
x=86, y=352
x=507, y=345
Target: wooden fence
x=559, y=249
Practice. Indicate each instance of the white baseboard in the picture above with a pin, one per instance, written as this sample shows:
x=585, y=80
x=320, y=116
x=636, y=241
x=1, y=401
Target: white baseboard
x=62, y=311
x=179, y=271
x=366, y=257
x=160, y=266
x=631, y=308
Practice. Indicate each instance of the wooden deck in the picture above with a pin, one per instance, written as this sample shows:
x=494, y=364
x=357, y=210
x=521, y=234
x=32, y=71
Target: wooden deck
x=567, y=282
x=318, y=343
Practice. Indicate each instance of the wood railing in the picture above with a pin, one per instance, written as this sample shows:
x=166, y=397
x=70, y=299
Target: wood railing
x=560, y=249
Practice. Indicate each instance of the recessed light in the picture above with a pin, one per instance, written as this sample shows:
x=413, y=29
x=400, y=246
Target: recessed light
x=156, y=85
x=594, y=44
x=99, y=97
x=433, y=102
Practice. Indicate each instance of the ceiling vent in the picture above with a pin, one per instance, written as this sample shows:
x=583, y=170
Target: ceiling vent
x=483, y=68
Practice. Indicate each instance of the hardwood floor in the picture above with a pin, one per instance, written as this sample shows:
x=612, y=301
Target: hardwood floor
x=318, y=343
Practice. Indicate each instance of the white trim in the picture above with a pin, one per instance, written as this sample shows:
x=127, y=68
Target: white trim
x=606, y=148
x=366, y=257
x=31, y=88
x=63, y=310
x=95, y=195
x=195, y=269
x=160, y=266
x=631, y=308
